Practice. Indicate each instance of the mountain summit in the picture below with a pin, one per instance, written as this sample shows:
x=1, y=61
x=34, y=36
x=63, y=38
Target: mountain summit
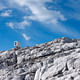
x=55, y=60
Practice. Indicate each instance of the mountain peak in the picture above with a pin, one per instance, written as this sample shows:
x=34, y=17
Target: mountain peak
x=65, y=40
x=55, y=60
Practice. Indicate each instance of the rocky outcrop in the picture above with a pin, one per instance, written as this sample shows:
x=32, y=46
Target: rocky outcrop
x=55, y=60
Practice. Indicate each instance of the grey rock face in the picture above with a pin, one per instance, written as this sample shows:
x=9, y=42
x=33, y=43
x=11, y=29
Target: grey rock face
x=55, y=60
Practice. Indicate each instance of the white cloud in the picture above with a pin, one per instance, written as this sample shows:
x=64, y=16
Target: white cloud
x=18, y=25
x=39, y=11
x=26, y=37
x=6, y=13
x=10, y=24
x=23, y=24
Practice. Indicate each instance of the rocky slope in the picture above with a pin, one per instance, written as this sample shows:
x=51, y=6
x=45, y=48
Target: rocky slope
x=55, y=60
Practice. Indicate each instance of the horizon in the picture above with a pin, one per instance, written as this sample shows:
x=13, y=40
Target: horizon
x=39, y=21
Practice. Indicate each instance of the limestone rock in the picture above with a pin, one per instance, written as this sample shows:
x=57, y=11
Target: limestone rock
x=55, y=60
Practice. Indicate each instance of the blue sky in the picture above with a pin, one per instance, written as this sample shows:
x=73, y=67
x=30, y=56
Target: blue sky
x=34, y=22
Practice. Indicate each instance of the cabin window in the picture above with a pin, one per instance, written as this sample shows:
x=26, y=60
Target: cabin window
x=15, y=43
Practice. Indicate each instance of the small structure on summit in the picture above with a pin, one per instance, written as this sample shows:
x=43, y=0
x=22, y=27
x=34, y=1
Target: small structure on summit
x=17, y=44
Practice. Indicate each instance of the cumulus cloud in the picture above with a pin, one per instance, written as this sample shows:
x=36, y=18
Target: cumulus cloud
x=26, y=37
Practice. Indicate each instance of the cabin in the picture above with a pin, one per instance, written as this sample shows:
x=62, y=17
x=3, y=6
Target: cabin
x=17, y=44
